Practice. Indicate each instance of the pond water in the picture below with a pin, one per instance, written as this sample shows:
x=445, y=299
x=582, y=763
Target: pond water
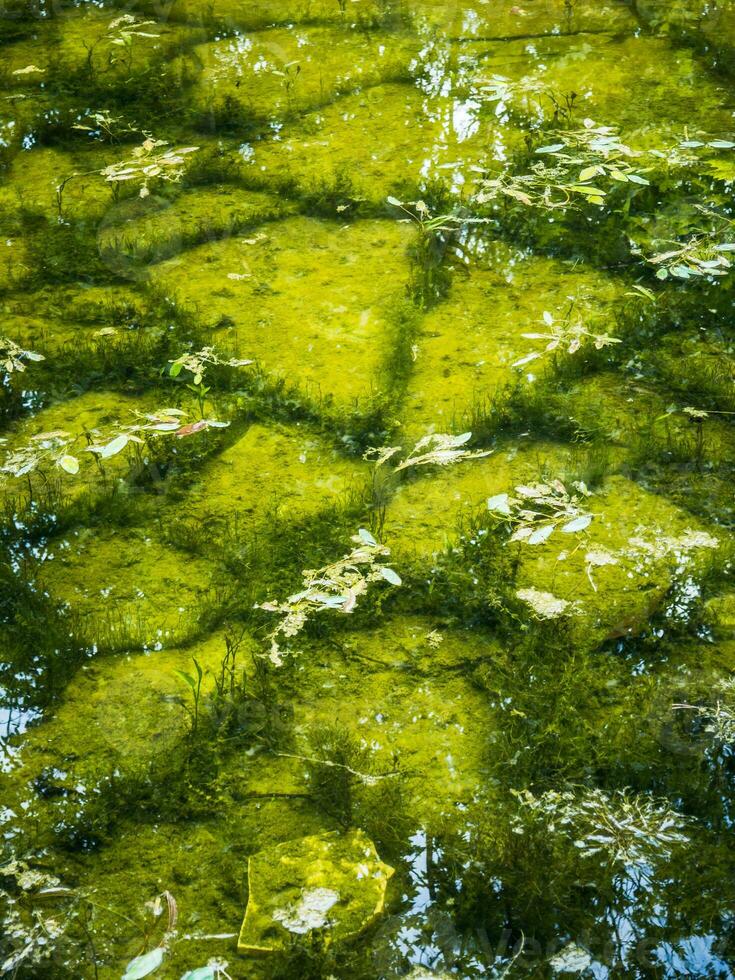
x=367, y=457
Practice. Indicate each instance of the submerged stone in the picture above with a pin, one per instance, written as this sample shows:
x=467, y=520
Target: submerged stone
x=608, y=579
x=469, y=344
x=540, y=18
x=311, y=301
x=404, y=692
x=141, y=231
x=85, y=41
x=127, y=590
x=332, y=882
x=251, y=15
x=272, y=470
x=390, y=139
x=602, y=71
x=34, y=176
x=256, y=78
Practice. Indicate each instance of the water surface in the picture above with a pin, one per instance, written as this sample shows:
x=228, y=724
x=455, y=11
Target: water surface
x=440, y=286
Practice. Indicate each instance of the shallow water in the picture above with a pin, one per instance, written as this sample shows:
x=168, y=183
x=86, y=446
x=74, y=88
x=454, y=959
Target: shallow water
x=519, y=688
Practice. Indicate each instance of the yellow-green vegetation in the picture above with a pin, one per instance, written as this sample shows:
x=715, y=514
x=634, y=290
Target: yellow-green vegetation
x=366, y=465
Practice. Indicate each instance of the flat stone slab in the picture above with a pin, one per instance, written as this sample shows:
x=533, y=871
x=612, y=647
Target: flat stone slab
x=312, y=301
x=389, y=139
x=334, y=883
x=469, y=344
x=503, y=19
x=274, y=73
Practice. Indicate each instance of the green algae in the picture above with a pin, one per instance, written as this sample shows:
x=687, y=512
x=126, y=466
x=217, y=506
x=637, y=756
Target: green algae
x=249, y=78
x=298, y=300
x=140, y=232
x=362, y=148
x=269, y=471
x=467, y=346
x=424, y=717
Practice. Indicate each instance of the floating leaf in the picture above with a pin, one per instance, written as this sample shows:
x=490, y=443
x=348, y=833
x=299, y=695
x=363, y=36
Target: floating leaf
x=390, y=576
x=68, y=463
x=112, y=448
x=544, y=604
x=499, y=504
x=552, y=148
x=588, y=173
x=578, y=524
x=141, y=966
x=526, y=360
x=201, y=973
x=191, y=429
x=542, y=534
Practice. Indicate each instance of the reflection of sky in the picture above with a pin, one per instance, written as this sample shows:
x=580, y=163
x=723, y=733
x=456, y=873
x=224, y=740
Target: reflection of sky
x=14, y=720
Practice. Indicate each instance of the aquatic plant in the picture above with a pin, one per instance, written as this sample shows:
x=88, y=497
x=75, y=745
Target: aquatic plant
x=571, y=336
x=12, y=356
x=536, y=511
x=702, y=255
x=545, y=604
x=196, y=363
x=434, y=449
x=105, y=125
x=52, y=447
x=509, y=95
x=335, y=587
x=563, y=179
x=147, y=963
x=45, y=447
x=719, y=717
x=437, y=236
x=119, y=33
x=147, y=162
x=620, y=828
x=195, y=686
x=215, y=969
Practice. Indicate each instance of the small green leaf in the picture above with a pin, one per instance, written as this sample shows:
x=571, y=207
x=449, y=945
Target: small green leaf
x=68, y=463
x=390, y=576
x=187, y=679
x=141, y=966
x=366, y=537
x=588, y=173
x=578, y=524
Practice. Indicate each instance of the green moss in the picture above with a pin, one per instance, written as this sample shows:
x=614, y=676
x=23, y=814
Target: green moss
x=589, y=662
x=249, y=79
x=299, y=301
x=368, y=136
x=140, y=232
x=467, y=345
x=503, y=20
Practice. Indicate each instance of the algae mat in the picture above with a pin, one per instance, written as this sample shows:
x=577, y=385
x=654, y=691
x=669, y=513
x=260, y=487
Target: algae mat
x=366, y=466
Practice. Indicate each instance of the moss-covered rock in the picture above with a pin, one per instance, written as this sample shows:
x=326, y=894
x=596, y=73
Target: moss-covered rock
x=267, y=76
x=506, y=19
x=468, y=344
x=334, y=884
x=310, y=300
x=144, y=230
x=127, y=590
x=388, y=139
x=272, y=470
